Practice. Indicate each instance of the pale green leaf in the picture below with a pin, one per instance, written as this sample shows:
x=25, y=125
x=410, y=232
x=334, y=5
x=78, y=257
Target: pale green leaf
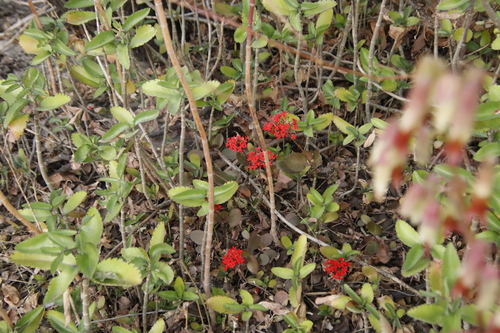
x=279, y=7
x=76, y=17
x=83, y=76
x=74, y=201
x=100, y=40
x=122, y=115
x=205, y=89
x=158, y=327
x=53, y=102
x=224, y=192
x=58, y=321
x=407, y=234
x=217, y=303
x=135, y=18
x=282, y=272
x=41, y=261
x=143, y=34
x=123, y=55
x=146, y=116
x=59, y=284
x=451, y=4
x=116, y=272
x=342, y=125
x=428, y=313
x=158, y=236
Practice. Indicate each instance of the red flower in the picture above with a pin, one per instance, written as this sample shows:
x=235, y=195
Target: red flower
x=237, y=143
x=232, y=258
x=256, y=159
x=281, y=126
x=337, y=268
x=217, y=208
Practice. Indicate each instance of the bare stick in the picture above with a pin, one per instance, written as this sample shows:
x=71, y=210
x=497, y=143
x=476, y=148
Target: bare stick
x=370, y=62
x=160, y=14
x=253, y=113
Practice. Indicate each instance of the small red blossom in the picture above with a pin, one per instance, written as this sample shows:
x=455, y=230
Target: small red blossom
x=256, y=159
x=237, y=143
x=281, y=126
x=232, y=258
x=217, y=208
x=337, y=268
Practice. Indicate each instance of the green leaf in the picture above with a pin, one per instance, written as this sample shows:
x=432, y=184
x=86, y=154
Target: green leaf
x=451, y=4
x=314, y=197
x=310, y=9
x=146, y=116
x=367, y=293
x=246, y=297
x=59, y=284
x=164, y=272
x=158, y=327
x=224, y=192
x=123, y=55
x=205, y=89
x=260, y=42
x=30, y=322
x=217, y=303
x=415, y=261
x=279, y=7
x=179, y=286
x=100, y=40
x=491, y=149
x=83, y=76
x=79, y=4
x=229, y=71
x=324, y=20
x=58, y=321
x=378, y=123
x=116, y=272
x=77, y=17
x=306, y=270
x=39, y=58
x=300, y=250
x=135, y=18
x=428, y=313
x=122, y=115
x=88, y=260
x=53, y=102
x=74, y=201
x=143, y=34
x=451, y=266
x=189, y=197
x=407, y=234
x=158, y=236
x=282, y=272
x=341, y=124
x=91, y=228
x=153, y=88
x=114, y=131
x=62, y=48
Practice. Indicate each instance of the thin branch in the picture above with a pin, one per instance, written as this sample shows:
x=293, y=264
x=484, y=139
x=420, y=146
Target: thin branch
x=160, y=14
x=370, y=61
x=253, y=113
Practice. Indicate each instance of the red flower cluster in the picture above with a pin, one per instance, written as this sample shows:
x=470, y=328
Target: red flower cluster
x=337, y=268
x=281, y=126
x=237, y=143
x=217, y=208
x=256, y=159
x=232, y=258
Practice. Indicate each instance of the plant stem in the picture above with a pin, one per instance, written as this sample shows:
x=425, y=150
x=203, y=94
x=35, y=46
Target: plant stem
x=253, y=113
x=370, y=62
x=458, y=51
x=160, y=14
x=85, y=305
